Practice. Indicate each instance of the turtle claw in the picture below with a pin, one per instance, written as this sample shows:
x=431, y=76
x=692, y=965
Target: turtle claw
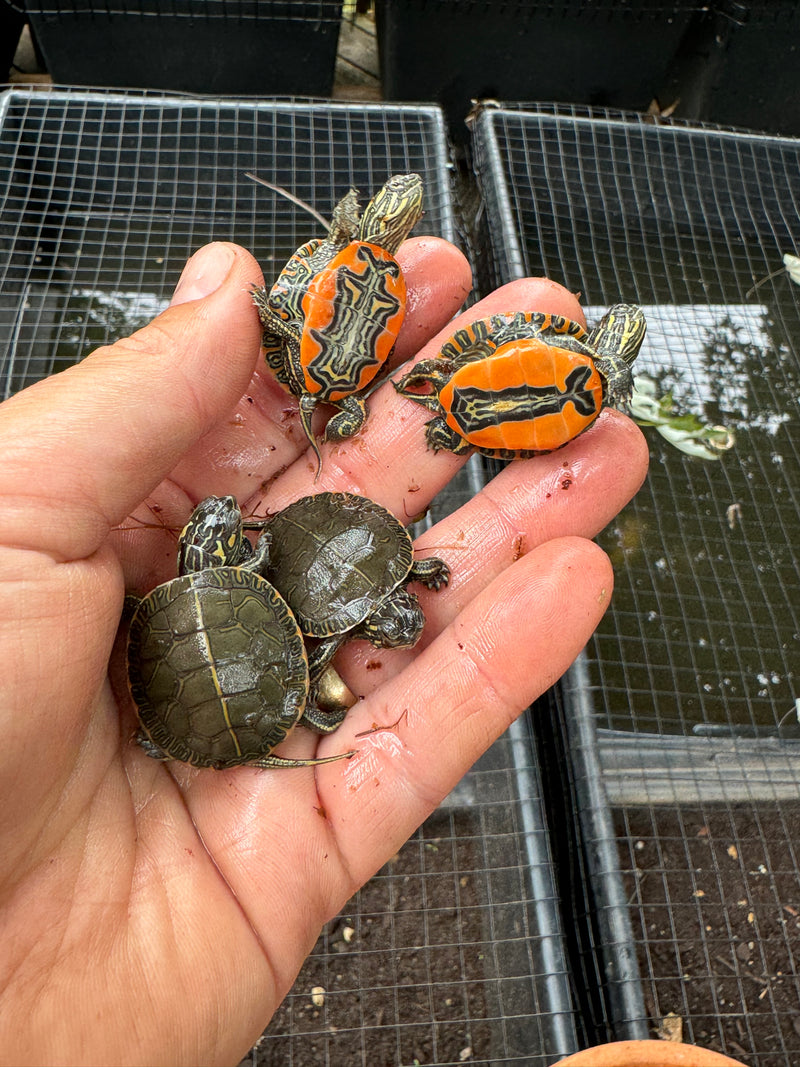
x=307, y=405
x=151, y=749
x=348, y=420
x=440, y=438
x=322, y=722
x=280, y=761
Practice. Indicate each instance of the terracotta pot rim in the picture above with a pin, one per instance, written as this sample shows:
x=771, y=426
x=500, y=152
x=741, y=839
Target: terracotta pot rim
x=647, y=1053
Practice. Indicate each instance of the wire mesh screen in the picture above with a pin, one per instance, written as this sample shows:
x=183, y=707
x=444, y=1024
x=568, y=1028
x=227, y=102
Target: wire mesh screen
x=221, y=10
x=692, y=678
x=105, y=197
x=455, y=951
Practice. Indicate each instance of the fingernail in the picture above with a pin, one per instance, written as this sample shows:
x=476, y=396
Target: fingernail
x=204, y=273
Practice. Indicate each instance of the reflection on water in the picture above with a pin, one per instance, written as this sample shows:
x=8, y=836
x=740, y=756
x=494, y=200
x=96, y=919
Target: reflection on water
x=712, y=360
x=705, y=622
x=51, y=329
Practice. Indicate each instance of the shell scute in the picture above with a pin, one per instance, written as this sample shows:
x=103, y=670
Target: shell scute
x=217, y=667
x=353, y=311
x=528, y=395
x=334, y=556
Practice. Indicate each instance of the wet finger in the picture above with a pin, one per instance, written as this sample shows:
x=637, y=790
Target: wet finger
x=575, y=491
x=513, y=641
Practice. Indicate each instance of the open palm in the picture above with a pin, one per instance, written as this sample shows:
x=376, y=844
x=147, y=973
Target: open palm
x=154, y=913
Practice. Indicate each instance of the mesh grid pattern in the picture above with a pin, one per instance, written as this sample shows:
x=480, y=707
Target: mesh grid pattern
x=448, y=960
x=704, y=627
x=234, y=10
x=691, y=680
x=105, y=196
x=457, y=943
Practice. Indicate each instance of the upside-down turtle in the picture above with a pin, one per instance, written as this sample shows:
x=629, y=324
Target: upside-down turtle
x=342, y=562
x=216, y=661
x=524, y=383
x=332, y=317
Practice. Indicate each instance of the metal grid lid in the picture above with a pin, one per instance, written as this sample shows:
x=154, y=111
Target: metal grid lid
x=680, y=722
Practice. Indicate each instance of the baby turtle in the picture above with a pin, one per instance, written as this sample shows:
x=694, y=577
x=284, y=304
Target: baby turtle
x=216, y=661
x=342, y=562
x=332, y=317
x=525, y=383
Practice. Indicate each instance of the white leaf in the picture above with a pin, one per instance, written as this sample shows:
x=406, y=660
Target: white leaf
x=792, y=264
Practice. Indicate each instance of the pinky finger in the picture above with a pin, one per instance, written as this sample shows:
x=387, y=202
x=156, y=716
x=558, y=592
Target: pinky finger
x=513, y=641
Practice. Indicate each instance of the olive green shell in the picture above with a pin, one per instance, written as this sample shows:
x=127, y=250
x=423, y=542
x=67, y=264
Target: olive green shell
x=334, y=557
x=217, y=667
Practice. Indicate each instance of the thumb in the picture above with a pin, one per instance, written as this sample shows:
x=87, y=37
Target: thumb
x=82, y=448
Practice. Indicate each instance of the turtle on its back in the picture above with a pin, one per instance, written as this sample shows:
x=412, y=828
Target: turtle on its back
x=525, y=383
x=333, y=315
x=509, y=385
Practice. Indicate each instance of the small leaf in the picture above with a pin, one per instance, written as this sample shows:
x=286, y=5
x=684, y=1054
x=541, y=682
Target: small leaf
x=684, y=432
x=792, y=264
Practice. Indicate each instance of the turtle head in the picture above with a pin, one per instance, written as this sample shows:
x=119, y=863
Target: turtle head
x=397, y=621
x=213, y=536
x=616, y=341
x=392, y=213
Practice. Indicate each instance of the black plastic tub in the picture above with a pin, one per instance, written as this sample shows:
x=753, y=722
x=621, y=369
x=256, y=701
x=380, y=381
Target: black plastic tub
x=606, y=52
x=738, y=66
x=680, y=721
x=458, y=943
x=12, y=20
x=203, y=46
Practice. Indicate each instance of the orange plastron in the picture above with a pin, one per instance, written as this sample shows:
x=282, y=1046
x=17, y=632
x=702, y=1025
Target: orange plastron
x=529, y=396
x=353, y=312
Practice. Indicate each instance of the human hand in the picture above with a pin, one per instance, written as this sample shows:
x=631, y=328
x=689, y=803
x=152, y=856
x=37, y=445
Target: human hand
x=155, y=913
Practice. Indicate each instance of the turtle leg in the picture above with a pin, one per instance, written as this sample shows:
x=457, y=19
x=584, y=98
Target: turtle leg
x=429, y=374
x=618, y=379
x=321, y=721
x=432, y=572
x=397, y=622
x=270, y=319
x=441, y=438
x=277, y=337
x=320, y=657
x=348, y=420
x=259, y=560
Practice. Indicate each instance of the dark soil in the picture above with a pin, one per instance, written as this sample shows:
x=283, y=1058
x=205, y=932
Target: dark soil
x=715, y=904
x=403, y=968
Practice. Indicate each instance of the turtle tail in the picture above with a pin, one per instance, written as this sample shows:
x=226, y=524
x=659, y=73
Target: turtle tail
x=307, y=405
